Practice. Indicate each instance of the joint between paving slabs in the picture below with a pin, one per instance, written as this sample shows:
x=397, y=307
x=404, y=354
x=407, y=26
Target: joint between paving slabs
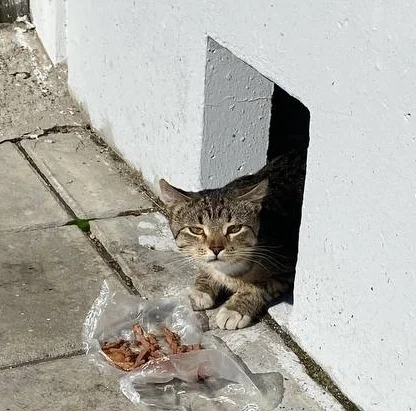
x=83, y=225
x=38, y=133
x=46, y=181
x=113, y=264
x=43, y=360
x=312, y=368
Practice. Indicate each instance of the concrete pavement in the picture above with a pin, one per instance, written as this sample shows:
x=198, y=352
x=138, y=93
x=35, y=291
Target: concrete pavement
x=53, y=176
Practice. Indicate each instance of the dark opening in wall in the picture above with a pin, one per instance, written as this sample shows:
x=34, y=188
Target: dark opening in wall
x=289, y=124
x=288, y=132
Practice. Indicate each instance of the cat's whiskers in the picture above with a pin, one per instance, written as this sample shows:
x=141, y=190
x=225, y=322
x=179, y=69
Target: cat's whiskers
x=263, y=256
x=271, y=260
x=266, y=250
x=183, y=258
x=181, y=263
x=268, y=247
x=254, y=261
x=273, y=253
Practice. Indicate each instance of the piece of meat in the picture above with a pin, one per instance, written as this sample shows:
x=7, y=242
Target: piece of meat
x=152, y=339
x=141, y=358
x=138, y=330
x=108, y=345
x=126, y=366
x=157, y=354
x=116, y=355
x=129, y=355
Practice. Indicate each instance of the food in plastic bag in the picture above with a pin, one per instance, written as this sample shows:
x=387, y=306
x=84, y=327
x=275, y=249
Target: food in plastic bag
x=211, y=378
x=129, y=355
x=112, y=328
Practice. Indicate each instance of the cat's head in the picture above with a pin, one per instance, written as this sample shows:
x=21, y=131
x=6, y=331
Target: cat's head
x=217, y=228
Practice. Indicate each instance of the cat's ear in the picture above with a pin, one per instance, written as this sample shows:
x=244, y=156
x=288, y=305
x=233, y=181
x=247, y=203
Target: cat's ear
x=255, y=194
x=170, y=195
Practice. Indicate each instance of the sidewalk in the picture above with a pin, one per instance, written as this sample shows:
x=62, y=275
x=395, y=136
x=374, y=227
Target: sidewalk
x=54, y=175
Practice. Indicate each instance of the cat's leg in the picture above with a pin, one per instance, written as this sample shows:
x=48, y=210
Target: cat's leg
x=247, y=303
x=204, y=292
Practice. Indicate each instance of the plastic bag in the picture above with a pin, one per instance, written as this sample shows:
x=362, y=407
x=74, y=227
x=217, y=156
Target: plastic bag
x=113, y=315
x=209, y=379
x=201, y=381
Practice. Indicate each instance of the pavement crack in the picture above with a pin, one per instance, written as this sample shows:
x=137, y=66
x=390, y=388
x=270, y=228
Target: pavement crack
x=81, y=222
x=83, y=225
x=112, y=263
x=137, y=213
x=42, y=360
x=36, y=227
x=56, y=129
x=20, y=74
x=63, y=203
x=43, y=132
x=11, y=140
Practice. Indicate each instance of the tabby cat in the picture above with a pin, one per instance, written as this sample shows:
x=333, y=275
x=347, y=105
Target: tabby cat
x=243, y=237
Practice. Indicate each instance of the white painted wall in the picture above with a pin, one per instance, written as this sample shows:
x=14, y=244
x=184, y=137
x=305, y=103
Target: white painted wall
x=139, y=72
x=138, y=68
x=50, y=17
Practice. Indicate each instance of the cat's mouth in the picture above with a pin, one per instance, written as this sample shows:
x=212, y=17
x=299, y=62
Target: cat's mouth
x=222, y=258
x=214, y=258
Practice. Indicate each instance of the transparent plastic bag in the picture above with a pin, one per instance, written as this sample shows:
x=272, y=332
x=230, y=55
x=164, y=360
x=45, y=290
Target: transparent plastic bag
x=202, y=380
x=113, y=315
x=209, y=379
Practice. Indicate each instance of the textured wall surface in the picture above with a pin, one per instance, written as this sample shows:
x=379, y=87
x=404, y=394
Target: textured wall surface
x=237, y=113
x=139, y=70
x=50, y=17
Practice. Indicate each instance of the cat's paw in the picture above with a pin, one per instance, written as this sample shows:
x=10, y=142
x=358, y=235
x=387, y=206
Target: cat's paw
x=200, y=300
x=232, y=320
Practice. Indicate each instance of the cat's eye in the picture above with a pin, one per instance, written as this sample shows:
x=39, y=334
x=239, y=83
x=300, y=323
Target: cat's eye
x=234, y=229
x=196, y=230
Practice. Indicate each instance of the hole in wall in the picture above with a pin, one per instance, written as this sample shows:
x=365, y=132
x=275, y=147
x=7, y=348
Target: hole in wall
x=288, y=131
x=289, y=124
x=249, y=120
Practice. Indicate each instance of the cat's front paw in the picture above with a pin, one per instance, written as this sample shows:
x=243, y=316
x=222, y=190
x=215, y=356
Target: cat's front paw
x=232, y=320
x=200, y=300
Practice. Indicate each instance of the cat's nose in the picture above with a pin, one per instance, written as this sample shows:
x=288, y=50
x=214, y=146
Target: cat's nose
x=216, y=249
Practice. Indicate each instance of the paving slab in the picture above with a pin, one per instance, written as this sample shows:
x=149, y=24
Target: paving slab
x=48, y=281
x=34, y=95
x=69, y=384
x=281, y=313
x=262, y=350
x=26, y=202
x=85, y=175
x=144, y=248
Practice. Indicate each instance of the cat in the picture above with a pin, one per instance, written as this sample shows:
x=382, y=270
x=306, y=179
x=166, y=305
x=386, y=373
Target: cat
x=243, y=237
